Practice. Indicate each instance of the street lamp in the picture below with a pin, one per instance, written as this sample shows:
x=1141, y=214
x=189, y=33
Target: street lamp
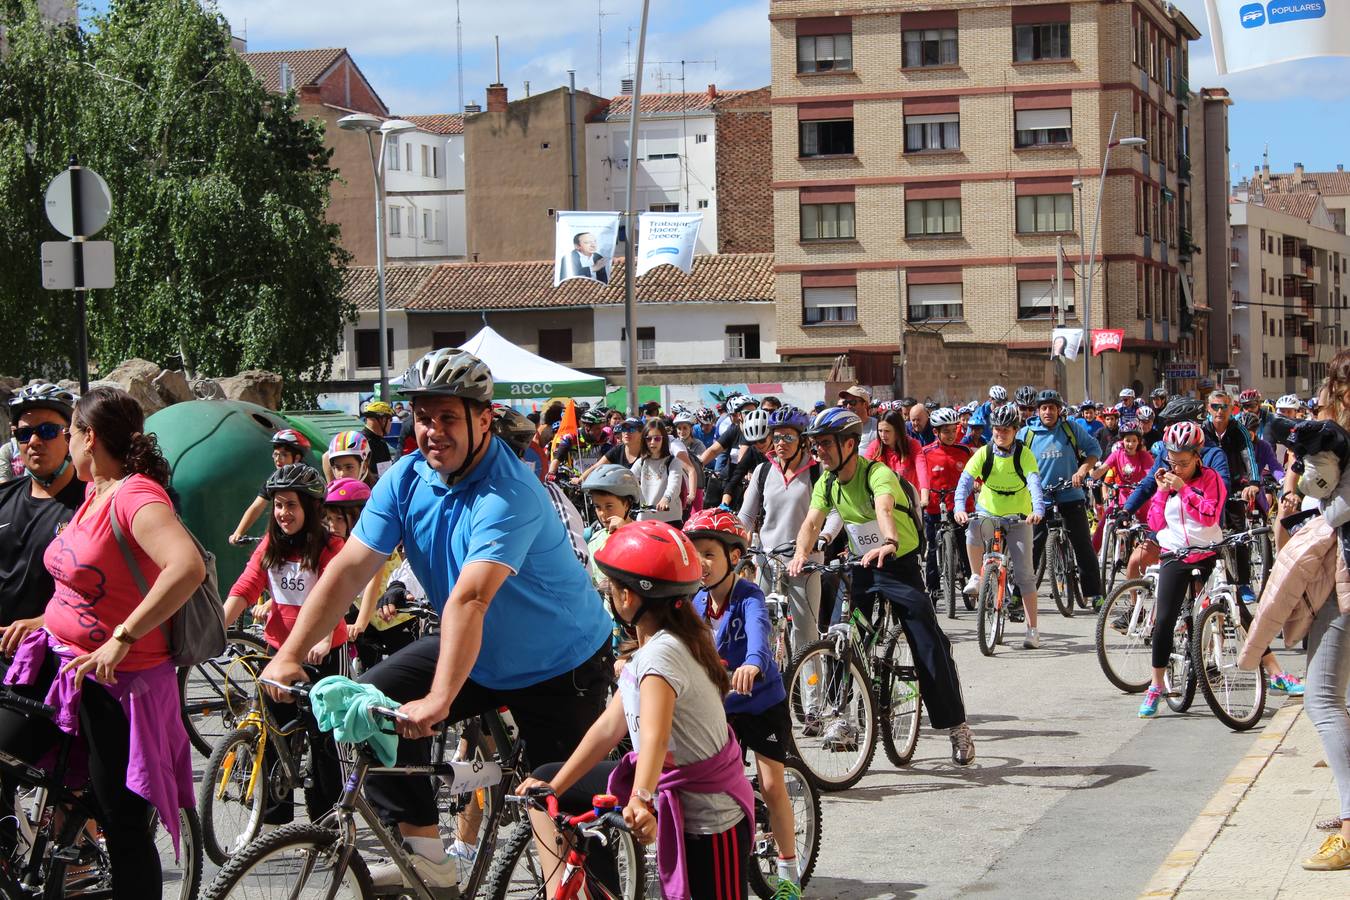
x=371, y=124
x=1111, y=144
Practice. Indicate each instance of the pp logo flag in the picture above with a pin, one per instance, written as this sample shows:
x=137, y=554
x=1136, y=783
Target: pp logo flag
x=667, y=238
x=1248, y=34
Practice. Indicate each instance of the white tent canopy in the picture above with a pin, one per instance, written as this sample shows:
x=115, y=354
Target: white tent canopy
x=518, y=374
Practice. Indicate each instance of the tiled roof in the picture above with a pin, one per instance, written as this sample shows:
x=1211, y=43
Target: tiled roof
x=440, y=123
x=653, y=104
x=306, y=65
x=471, y=287
x=1328, y=184
x=1302, y=205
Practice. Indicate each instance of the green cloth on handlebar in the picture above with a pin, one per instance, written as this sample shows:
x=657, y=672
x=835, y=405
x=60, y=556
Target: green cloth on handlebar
x=342, y=706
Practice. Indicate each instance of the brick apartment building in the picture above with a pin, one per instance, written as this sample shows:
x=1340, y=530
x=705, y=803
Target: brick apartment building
x=925, y=167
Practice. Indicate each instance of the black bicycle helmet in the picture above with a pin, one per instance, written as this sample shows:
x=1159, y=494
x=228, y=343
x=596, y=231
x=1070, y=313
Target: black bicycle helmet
x=1025, y=396
x=1050, y=395
x=1181, y=409
x=1005, y=417
x=296, y=477
x=512, y=427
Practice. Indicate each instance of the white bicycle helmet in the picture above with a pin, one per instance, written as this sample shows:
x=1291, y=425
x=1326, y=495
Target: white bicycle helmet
x=450, y=373
x=942, y=417
x=755, y=426
x=41, y=396
x=1288, y=401
x=998, y=393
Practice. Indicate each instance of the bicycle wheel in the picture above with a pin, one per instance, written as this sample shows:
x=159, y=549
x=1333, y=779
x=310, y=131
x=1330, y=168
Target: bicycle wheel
x=232, y=794
x=1237, y=696
x=1125, y=635
x=1263, y=559
x=295, y=862
x=989, y=621
x=1106, y=557
x=1179, y=676
x=208, y=706
x=88, y=871
x=473, y=817
x=1058, y=569
x=517, y=871
x=900, y=702
x=806, y=823
x=837, y=741
x=951, y=571
x=182, y=874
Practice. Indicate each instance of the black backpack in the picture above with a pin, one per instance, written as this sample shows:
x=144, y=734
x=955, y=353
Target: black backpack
x=910, y=506
x=988, y=466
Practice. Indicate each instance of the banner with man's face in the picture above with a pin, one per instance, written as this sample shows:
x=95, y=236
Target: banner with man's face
x=1066, y=343
x=583, y=245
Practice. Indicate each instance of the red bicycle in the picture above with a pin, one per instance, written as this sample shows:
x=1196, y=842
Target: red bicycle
x=518, y=871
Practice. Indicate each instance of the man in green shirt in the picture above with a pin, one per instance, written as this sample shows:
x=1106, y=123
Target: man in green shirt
x=875, y=510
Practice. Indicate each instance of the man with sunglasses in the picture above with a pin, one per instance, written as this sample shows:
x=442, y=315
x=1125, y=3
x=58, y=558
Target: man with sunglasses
x=858, y=400
x=33, y=510
x=1244, y=480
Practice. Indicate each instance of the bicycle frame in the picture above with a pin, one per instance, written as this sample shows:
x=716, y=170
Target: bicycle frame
x=995, y=552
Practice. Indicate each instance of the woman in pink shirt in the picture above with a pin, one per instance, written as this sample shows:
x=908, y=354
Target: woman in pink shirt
x=895, y=447
x=101, y=658
x=1129, y=462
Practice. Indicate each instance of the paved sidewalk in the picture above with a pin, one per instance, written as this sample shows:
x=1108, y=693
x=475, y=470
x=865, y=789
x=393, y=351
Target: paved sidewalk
x=1250, y=839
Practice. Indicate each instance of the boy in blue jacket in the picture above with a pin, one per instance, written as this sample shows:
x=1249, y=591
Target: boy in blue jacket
x=757, y=708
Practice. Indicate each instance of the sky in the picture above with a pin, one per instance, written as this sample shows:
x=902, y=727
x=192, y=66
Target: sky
x=407, y=50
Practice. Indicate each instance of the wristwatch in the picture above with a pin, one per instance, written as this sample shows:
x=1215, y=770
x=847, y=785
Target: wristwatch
x=123, y=634
x=892, y=541
x=645, y=796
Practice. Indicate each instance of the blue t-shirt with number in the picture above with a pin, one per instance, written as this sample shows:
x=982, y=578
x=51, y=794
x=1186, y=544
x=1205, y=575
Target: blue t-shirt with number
x=742, y=634
x=546, y=619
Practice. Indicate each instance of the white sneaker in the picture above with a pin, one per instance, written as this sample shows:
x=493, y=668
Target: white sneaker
x=437, y=874
x=972, y=586
x=1032, y=641
x=463, y=852
x=239, y=842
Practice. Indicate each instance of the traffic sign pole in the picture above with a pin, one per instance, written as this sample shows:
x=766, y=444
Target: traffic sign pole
x=81, y=295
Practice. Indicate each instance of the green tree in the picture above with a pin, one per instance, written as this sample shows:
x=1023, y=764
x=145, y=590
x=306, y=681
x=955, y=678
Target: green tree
x=224, y=253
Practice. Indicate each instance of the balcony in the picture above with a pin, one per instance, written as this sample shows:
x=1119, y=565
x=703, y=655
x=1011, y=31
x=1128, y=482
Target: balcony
x=1299, y=307
x=1295, y=267
x=1301, y=347
x=1234, y=257
x=1315, y=274
x=1184, y=169
x=1184, y=246
x=1183, y=90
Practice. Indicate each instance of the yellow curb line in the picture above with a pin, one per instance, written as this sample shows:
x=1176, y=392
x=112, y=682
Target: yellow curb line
x=1179, y=864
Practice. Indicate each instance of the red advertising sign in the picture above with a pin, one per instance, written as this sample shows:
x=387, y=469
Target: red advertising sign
x=1104, y=339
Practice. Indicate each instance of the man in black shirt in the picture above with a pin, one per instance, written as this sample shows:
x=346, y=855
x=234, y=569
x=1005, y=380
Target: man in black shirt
x=34, y=509
x=1243, y=481
x=377, y=415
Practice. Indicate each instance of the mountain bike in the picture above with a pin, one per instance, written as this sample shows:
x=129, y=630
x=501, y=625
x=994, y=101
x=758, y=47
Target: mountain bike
x=806, y=818
x=324, y=859
x=857, y=680
x=1060, y=562
x=1121, y=533
x=53, y=852
x=519, y=872
x=1124, y=632
x=951, y=556
x=1263, y=549
x=1237, y=697
x=995, y=579
x=207, y=703
x=779, y=602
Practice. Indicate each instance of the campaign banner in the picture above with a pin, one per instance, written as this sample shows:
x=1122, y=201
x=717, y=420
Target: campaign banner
x=667, y=239
x=1248, y=34
x=1104, y=339
x=1066, y=343
x=583, y=245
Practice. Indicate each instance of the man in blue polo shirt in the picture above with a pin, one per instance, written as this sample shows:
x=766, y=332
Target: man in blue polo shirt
x=521, y=624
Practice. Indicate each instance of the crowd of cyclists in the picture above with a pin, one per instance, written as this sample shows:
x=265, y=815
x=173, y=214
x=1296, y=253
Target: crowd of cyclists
x=594, y=580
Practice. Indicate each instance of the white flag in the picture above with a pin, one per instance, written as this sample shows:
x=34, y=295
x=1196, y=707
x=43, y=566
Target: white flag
x=583, y=245
x=1248, y=34
x=1065, y=343
x=667, y=238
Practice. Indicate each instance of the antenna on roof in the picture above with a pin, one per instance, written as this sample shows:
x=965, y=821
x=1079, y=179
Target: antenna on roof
x=600, y=47
x=459, y=57
x=497, y=41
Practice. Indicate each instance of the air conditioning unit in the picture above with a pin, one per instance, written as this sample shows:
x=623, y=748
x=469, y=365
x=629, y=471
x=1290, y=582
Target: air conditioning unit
x=1303, y=384
x=1231, y=375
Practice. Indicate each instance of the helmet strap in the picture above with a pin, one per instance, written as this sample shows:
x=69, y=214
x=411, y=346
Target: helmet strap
x=474, y=448
x=55, y=476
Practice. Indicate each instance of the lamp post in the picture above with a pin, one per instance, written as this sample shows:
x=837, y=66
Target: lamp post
x=1111, y=144
x=371, y=124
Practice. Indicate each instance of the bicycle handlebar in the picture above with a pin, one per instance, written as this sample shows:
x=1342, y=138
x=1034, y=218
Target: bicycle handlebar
x=1241, y=537
x=25, y=705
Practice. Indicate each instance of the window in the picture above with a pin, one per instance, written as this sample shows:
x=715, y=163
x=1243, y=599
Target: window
x=435, y=162
x=934, y=301
x=703, y=204
x=832, y=137
x=827, y=222
x=395, y=221
x=700, y=139
x=1033, y=42
x=368, y=347
x=646, y=343
x=1036, y=299
x=429, y=231
x=742, y=342
x=942, y=132
x=1044, y=213
x=426, y=160
x=829, y=304
x=928, y=217
x=408, y=156
x=442, y=339
x=556, y=344
x=1041, y=127
x=412, y=222
x=824, y=52
x=663, y=207
x=392, y=160
x=930, y=47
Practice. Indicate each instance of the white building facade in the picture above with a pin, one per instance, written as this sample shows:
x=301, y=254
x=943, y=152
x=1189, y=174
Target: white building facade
x=711, y=335
x=424, y=192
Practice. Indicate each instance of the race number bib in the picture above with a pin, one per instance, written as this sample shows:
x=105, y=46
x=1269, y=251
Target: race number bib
x=863, y=536
x=290, y=583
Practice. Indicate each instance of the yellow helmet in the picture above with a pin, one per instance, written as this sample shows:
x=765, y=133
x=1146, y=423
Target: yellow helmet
x=376, y=408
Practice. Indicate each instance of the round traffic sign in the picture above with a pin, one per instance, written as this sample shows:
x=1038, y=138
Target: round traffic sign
x=95, y=202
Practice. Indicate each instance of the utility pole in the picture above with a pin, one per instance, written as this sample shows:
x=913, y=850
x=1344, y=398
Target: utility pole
x=630, y=256
x=459, y=57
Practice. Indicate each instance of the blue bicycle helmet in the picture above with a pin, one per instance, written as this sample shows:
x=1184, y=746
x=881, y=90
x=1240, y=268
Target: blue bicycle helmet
x=789, y=417
x=836, y=421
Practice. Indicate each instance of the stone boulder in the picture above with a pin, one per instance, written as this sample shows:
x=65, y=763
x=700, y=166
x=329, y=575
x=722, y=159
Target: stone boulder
x=254, y=386
x=137, y=378
x=172, y=386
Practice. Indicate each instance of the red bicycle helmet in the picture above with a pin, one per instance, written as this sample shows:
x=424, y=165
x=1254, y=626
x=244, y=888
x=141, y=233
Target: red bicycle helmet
x=1183, y=436
x=289, y=437
x=1250, y=395
x=653, y=559
x=719, y=525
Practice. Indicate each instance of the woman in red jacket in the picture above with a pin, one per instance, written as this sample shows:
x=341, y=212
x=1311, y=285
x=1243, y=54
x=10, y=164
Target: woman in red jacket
x=895, y=447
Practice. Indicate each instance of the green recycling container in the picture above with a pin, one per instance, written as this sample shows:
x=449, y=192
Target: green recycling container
x=221, y=454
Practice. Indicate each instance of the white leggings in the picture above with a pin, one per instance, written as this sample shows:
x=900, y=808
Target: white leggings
x=1325, y=692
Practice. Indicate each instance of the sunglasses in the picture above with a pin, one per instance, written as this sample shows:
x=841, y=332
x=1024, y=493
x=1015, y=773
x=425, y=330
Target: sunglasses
x=1218, y=406
x=785, y=439
x=1027, y=408
x=48, y=431
x=657, y=438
